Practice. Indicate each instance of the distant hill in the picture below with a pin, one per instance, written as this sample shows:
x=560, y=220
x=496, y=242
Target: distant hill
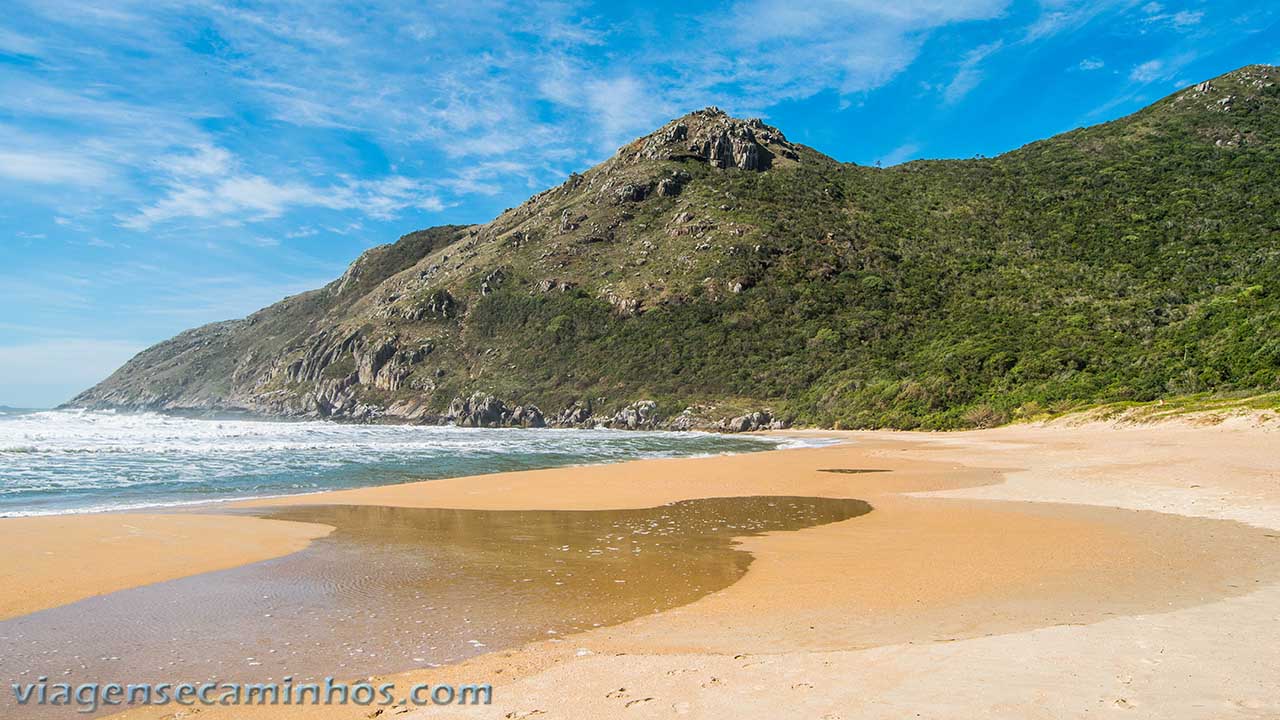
x=715, y=268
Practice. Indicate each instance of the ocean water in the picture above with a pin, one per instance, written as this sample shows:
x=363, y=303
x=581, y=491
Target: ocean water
x=61, y=461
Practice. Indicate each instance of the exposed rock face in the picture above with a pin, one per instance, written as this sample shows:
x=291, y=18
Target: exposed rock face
x=632, y=192
x=713, y=137
x=576, y=415
x=759, y=420
x=642, y=415
x=551, y=284
x=335, y=364
x=528, y=416
x=671, y=185
x=479, y=410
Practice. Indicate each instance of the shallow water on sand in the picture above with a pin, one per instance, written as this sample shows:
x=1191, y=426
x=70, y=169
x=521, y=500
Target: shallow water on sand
x=396, y=588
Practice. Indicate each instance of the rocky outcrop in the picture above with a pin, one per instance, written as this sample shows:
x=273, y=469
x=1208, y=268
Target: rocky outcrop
x=759, y=420
x=641, y=415
x=576, y=415
x=721, y=141
x=528, y=416
x=671, y=185
x=479, y=410
x=551, y=284
x=631, y=192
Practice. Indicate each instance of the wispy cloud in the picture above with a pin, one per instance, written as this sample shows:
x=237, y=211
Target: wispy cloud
x=969, y=74
x=209, y=184
x=1059, y=16
x=1156, y=14
x=237, y=199
x=550, y=86
x=800, y=49
x=1148, y=71
x=51, y=168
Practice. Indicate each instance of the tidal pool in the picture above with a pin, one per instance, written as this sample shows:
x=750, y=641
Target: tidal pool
x=396, y=588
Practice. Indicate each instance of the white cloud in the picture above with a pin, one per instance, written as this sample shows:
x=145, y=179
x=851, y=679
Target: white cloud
x=1059, y=16
x=51, y=168
x=203, y=160
x=784, y=49
x=209, y=183
x=238, y=199
x=442, y=91
x=623, y=107
x=1148, y=71
x=968, y=76
x=1090, y=64
x=484, y=178
x=1181, y=20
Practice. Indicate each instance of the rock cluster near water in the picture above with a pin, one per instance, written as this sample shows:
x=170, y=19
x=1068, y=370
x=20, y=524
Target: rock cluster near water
x=487, y=411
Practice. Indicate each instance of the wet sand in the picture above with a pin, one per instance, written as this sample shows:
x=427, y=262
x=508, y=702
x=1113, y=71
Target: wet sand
x=394, y=588
x=51, y=561
x=1029, y=571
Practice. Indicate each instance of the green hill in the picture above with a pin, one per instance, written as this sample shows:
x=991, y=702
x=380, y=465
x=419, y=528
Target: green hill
x=715, y=266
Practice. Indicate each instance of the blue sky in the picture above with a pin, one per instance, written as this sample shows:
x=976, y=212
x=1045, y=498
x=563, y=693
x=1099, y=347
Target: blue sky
x=166, y=164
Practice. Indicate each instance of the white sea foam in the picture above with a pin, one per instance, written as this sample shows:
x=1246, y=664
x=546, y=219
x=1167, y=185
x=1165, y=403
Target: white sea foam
x=79, y=461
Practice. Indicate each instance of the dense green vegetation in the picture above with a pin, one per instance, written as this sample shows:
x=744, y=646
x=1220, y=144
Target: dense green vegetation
x=1119, y=263
x=1128, y=261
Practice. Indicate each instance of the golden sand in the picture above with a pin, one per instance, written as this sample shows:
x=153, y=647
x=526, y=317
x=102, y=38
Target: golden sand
x=1028, y=571
x=50, y=561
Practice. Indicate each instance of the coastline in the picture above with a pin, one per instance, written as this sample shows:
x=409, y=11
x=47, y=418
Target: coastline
x=1004, y=552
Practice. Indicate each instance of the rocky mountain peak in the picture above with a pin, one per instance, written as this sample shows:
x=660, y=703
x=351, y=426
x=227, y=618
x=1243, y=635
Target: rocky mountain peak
x=713, y=136
x=1250, y=84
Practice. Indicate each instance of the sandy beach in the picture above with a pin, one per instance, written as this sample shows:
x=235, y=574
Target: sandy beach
x=51, y=561
x=1055, y=570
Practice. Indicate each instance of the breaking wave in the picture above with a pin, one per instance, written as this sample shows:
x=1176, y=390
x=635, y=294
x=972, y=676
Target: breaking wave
x=61, y=461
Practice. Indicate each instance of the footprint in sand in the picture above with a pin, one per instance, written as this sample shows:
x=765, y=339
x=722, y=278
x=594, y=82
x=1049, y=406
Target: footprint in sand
x=637, y=701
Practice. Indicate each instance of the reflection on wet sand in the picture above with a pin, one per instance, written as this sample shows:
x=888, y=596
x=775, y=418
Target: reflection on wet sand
x=394, y=588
